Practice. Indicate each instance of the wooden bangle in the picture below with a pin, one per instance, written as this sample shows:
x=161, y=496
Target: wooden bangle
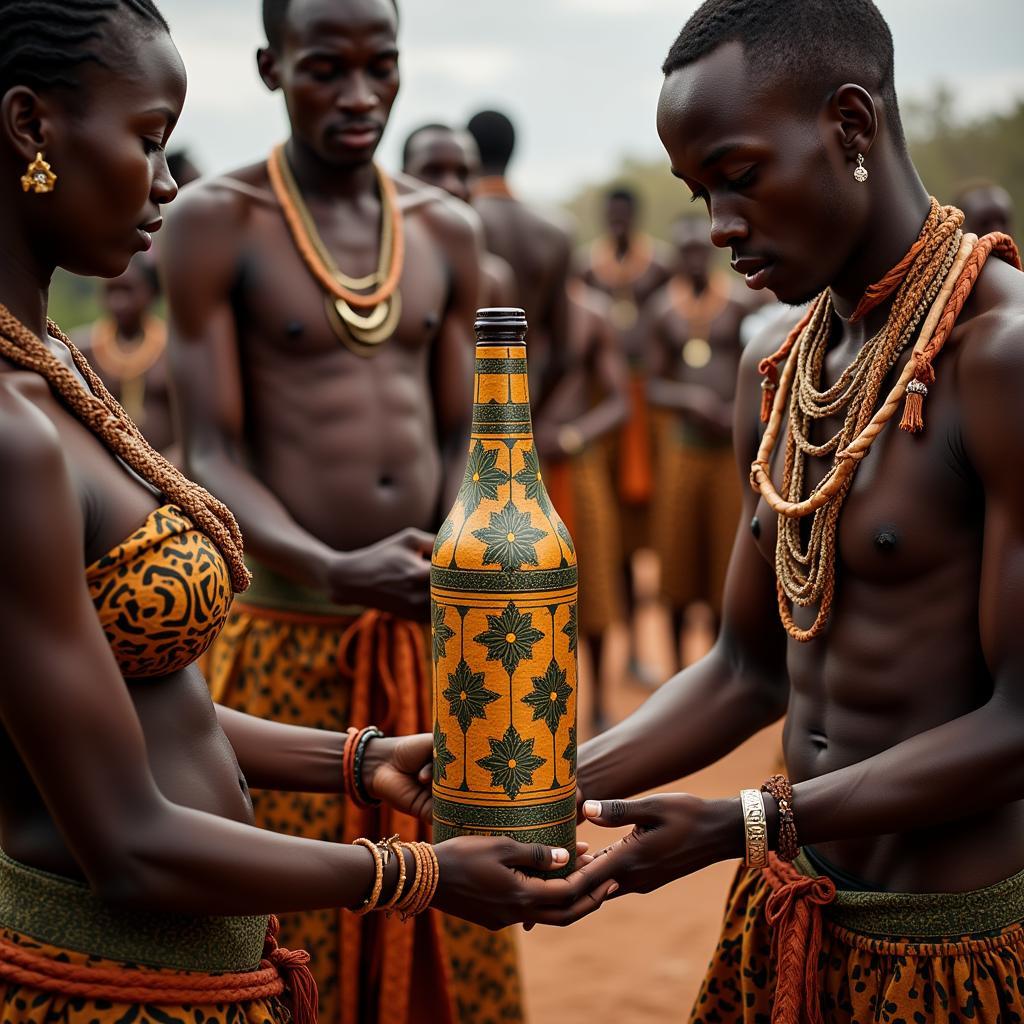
x=370, y=903
x=407, y=907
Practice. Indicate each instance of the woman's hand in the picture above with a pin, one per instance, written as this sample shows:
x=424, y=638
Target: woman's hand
x=398, y=771
x=674, y=835
x=482, y=880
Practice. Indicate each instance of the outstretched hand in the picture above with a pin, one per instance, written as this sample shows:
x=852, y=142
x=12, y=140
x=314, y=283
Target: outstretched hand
x=674, y=834
x=482, y=880
x=397, y=770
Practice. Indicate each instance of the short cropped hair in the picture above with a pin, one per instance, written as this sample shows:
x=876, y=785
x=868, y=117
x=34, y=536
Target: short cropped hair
x=495, y=138
x=816, y=44
x=415, y=133
x=274, y=13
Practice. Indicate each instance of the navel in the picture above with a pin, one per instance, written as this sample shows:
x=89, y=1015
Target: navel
x=295, y=328
x=755, y=528
x=430, y=321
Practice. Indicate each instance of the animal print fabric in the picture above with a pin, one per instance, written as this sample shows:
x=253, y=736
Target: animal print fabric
x=290, y=667
x=161, y=595
x=863, y=979
x=23, y=1004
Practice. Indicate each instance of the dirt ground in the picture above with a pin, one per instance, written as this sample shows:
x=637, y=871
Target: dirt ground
x=640, y=959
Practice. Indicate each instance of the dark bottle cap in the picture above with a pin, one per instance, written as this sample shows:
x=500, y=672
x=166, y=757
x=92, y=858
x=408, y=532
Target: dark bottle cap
x=500, y=323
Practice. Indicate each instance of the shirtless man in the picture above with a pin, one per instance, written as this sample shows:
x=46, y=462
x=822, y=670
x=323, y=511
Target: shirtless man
x=536, y=247
x=694, y=337
x=630, y=267
x=337, y=431
x=589, y=402
x=986, y=205
x=127, y=348
x=449, y=160
x=903, y=696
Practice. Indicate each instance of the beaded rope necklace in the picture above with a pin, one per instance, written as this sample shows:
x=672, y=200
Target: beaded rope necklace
x=934, y=278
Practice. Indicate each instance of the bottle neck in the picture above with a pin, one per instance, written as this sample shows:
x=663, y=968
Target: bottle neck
x=501, y=394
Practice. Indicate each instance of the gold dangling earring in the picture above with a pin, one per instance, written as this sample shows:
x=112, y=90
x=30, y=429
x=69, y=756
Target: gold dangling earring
x=860, y=172
x=39, y=177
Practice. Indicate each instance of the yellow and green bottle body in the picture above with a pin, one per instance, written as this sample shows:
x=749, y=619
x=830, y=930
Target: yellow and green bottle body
x=503, y=622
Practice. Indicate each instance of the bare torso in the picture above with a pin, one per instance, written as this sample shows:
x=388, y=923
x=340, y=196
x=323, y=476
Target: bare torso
x=191, y=759
x=903, y=651
x=673, y=360
x=538, y=251
x=348, y=443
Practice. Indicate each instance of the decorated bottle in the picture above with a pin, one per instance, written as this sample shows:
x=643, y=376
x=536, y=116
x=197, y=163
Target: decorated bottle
x=503, y=622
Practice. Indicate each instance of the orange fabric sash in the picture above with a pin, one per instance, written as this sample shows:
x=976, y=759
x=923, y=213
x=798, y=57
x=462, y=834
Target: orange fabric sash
x=386, y=659
x=636, y=469
x=279, y=969
x=794, y=912
x=558, y=480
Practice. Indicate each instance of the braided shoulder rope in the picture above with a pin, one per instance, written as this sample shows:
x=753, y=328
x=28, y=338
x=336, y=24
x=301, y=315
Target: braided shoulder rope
x=938, y=326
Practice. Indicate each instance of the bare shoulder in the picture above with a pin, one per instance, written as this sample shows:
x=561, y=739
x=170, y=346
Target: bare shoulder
x=452, y=222
x=221, y=203
x=989, y=348
x=30, y=446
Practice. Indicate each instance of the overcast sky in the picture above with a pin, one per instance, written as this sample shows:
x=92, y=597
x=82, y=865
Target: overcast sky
x=579, y=77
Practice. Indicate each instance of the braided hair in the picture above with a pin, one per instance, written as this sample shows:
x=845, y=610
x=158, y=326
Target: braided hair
x=43, y=43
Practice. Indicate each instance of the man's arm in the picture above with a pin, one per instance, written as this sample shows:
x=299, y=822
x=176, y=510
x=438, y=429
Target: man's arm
x=969, y=765
x=452, y=363
x=611, y=374
x=740, y=687
x=201, y=255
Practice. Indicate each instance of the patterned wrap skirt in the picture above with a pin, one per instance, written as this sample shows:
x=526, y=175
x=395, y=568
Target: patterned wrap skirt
x=66, y=956
x=289, y=655
x=794, y=948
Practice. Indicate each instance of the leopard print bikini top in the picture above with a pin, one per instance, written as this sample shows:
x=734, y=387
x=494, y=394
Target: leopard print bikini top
x=162, y=595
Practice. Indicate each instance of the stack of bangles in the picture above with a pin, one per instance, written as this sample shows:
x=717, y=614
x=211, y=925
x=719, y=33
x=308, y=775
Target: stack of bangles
x=352, y=759
x=407, y=901
x=755, y=822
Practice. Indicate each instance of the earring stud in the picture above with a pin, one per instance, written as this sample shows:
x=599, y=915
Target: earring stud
x=39, y=177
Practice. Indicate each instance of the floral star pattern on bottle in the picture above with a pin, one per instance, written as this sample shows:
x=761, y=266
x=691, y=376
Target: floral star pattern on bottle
x=531, y=478
x=440, y=631
x=442, y=755
x=510, y=538
x=483, y=477
x=549, y=696
x=509, y=637
x=467, y=696
x=511, y=762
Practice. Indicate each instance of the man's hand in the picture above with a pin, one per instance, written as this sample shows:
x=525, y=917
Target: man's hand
x=482, y=880
x=398, y=771
x=392, y=575
x=674, y=835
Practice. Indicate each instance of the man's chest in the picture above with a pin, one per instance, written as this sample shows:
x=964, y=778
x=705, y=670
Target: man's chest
x=283, y=311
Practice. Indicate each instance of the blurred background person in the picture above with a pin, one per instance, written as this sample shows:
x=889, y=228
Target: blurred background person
x=127, y=347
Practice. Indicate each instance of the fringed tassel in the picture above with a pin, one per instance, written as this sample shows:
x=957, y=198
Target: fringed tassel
x=913, y=408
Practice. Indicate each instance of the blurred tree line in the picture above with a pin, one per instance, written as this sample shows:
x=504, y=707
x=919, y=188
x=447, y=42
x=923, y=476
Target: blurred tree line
x=947, y=150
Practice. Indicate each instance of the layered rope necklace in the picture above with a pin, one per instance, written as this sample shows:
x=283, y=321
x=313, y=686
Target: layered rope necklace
x=932, y=283
x=360, y=331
